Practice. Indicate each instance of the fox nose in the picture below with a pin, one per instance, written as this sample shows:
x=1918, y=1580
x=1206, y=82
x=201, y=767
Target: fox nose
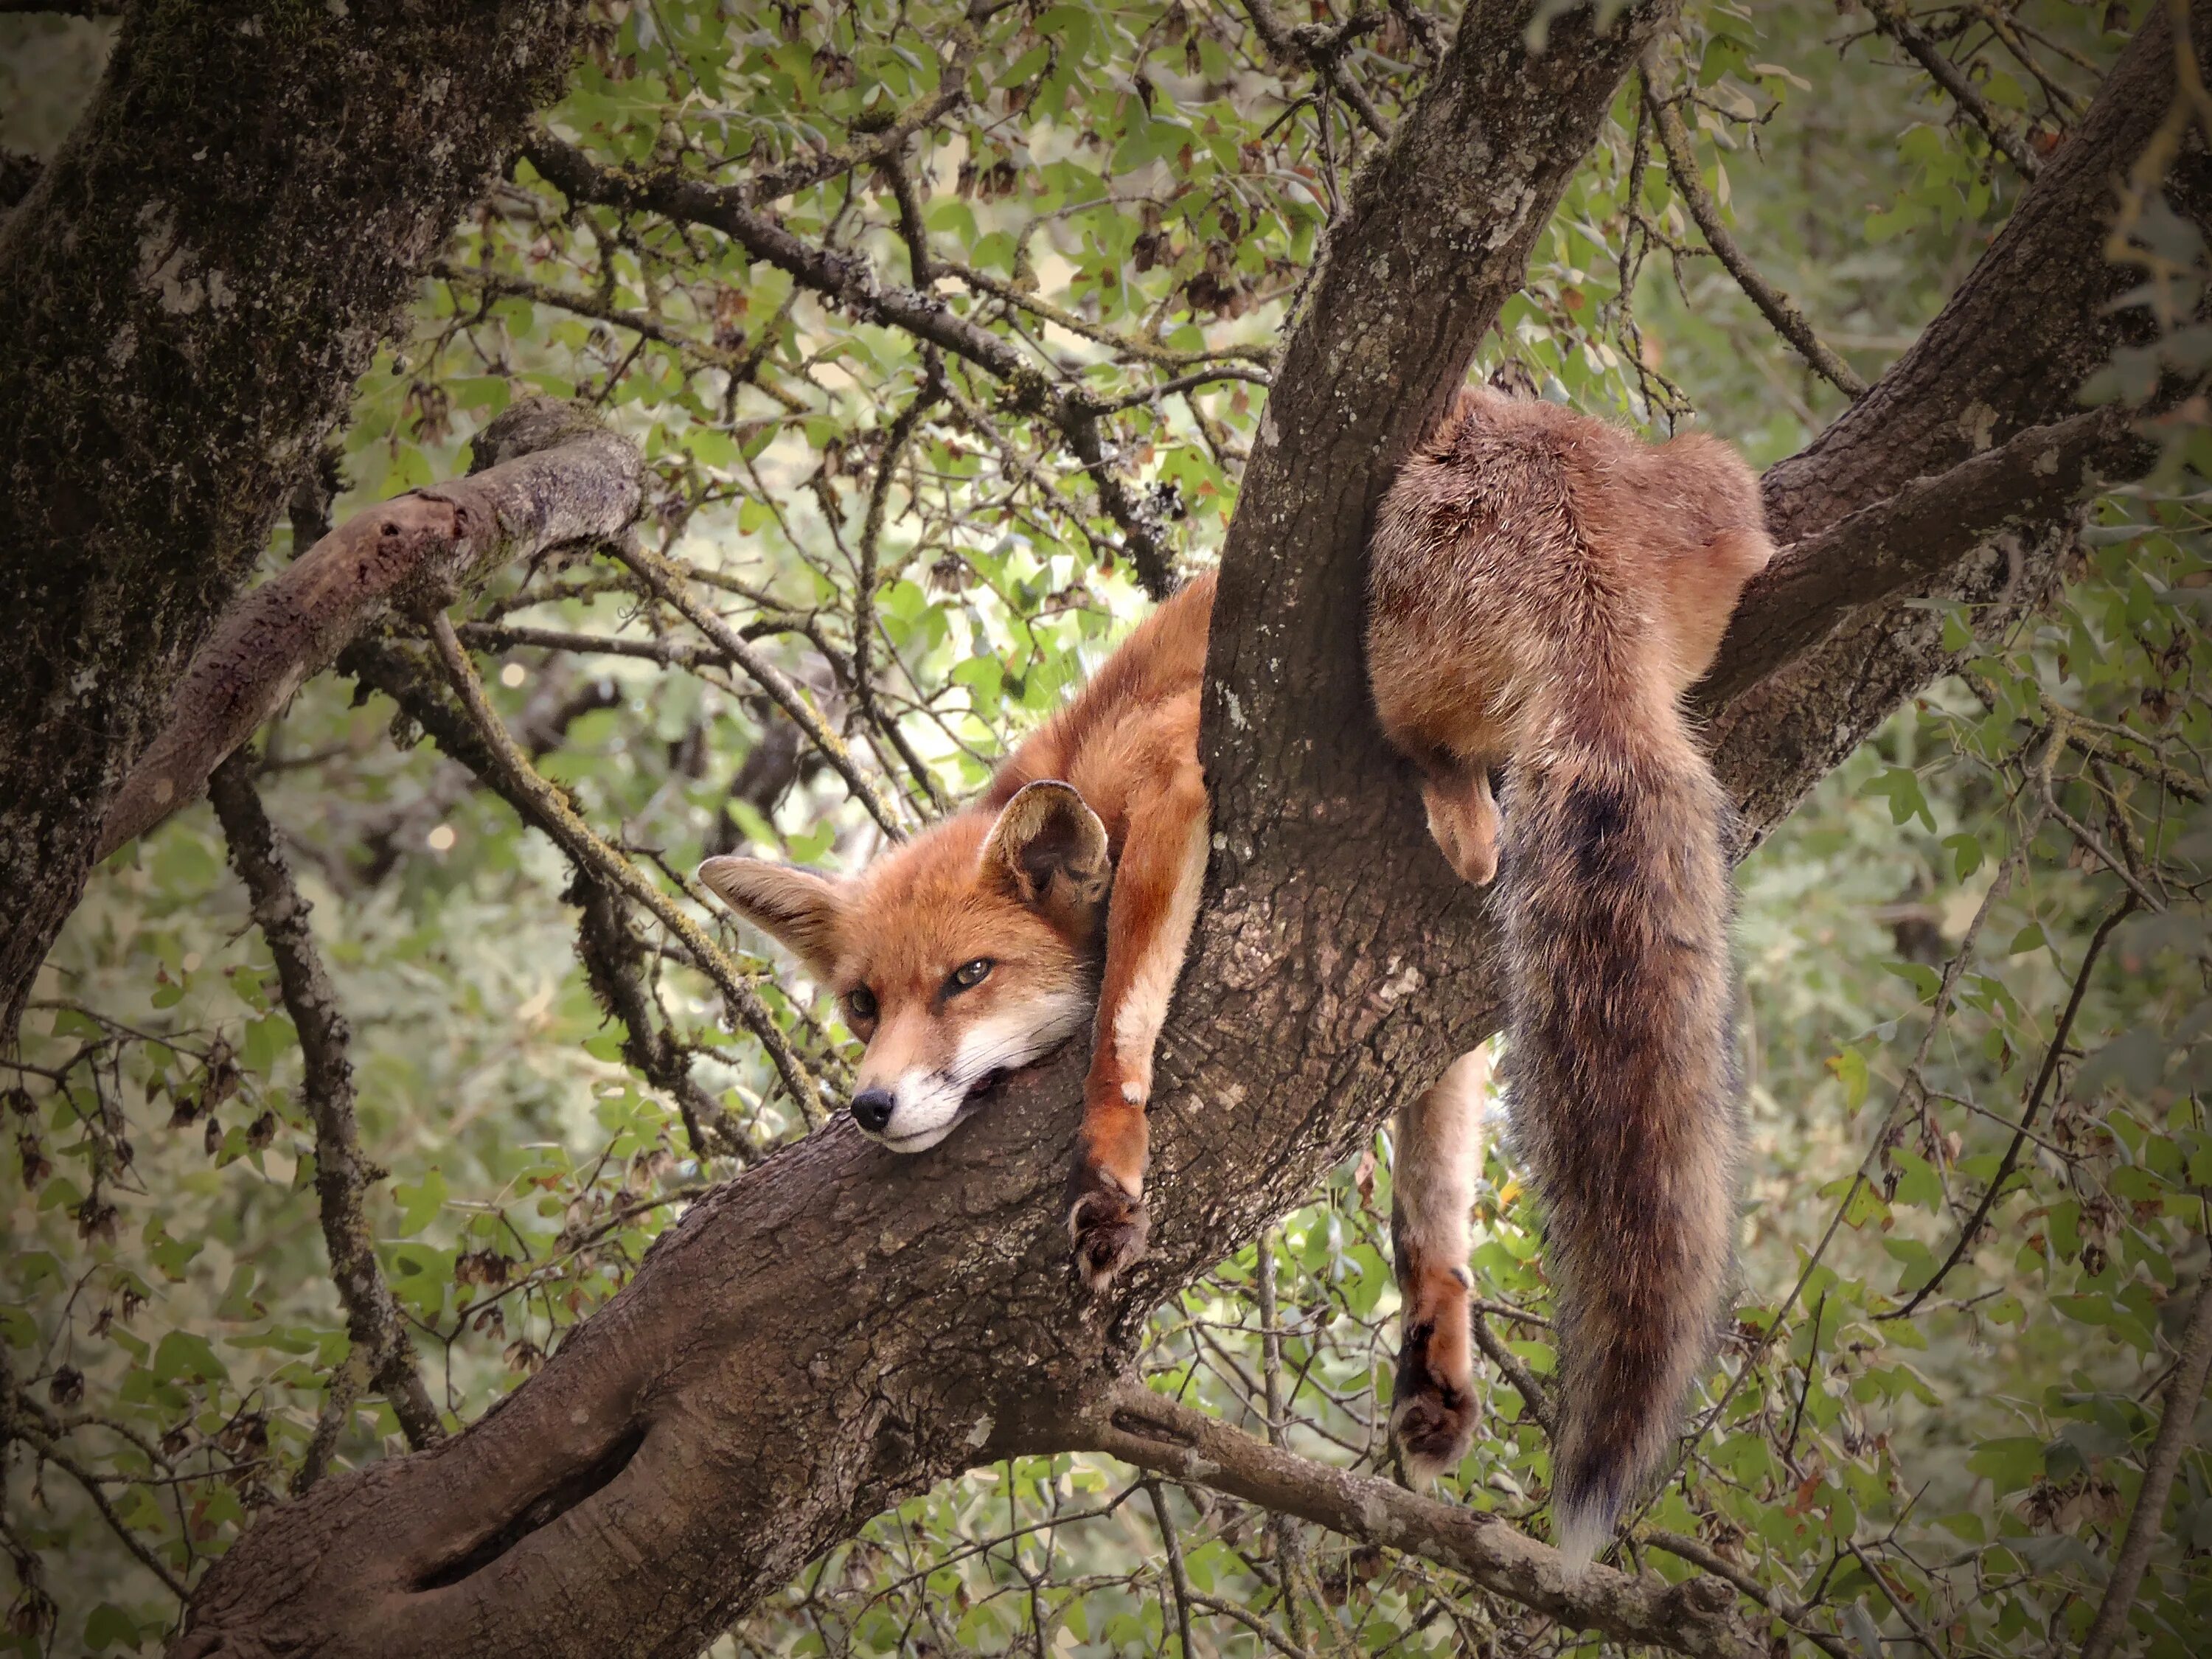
x=871, y=1110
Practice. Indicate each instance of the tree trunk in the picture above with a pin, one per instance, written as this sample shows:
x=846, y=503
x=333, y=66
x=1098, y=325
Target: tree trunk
x=188, y=295
x=841, y=1327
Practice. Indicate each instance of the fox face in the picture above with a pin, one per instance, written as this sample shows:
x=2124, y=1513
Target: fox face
x=967, y=953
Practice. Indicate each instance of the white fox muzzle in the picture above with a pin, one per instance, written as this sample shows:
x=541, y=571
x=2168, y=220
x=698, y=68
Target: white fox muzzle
x=912, y=1110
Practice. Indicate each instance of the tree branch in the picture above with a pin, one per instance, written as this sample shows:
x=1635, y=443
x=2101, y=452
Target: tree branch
x=668, y=585
x=521, y=783
x=545, y=473
x=374, y=1324
x=1773, y=303
x=1901, y=542
x=2184, y=1391
x=1890, y=18
x=2045, y=1074
x=614, y=963
x=851, y=281
x=1154, y=1432
x=1320, y=48
x=184, y=311
x=804, y=172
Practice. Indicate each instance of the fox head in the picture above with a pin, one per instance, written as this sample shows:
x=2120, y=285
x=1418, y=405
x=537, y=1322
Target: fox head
x=969, y=952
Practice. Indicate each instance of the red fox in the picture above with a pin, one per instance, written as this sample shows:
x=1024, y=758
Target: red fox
x=1543, y=589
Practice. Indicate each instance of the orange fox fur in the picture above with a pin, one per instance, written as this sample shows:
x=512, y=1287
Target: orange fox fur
x=1544, y=588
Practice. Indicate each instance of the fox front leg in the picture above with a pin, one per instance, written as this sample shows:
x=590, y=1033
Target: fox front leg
x=1148, y=923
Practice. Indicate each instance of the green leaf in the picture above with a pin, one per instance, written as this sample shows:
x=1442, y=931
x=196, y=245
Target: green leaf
x=2009, y=1463
x=108, y=1626
x=419, y=1204
x=182, y=1355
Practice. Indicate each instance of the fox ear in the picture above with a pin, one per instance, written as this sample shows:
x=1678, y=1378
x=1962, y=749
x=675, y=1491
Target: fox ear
x=1049, y=850
x=797, y=908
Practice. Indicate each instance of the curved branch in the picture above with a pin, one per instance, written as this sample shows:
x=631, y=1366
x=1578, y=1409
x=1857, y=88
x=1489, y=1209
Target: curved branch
x=545, y=473
x=1890, y=546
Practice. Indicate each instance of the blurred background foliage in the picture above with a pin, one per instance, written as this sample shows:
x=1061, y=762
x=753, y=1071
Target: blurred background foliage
x=1974, y=959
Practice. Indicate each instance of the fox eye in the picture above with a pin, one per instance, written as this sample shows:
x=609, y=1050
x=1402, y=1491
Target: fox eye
x=861, y=1002
x=969, y=975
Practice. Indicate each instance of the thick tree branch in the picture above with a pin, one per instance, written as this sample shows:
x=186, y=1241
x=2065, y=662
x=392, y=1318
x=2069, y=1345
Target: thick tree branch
x=2008, y=351
x=1154, y=1432
x=185, y=308
x=545, y=473
x=2039, y=476
x=374, y=1324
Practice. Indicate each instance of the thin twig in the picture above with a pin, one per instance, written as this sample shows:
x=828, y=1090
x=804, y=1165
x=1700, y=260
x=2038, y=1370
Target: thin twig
x=668, y=584
x=1890, y=18
x=1773, y=303
x=1690, y=1550
x=1178, y=1580
x=1531, y=1391
x=549, y=809
x=2042, y=1078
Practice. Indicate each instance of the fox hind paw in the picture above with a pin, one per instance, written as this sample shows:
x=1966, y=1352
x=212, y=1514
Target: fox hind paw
x=1108, y=1228
x=1432, y=1418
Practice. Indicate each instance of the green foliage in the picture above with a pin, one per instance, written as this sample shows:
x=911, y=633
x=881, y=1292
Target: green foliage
x=1911, y=1448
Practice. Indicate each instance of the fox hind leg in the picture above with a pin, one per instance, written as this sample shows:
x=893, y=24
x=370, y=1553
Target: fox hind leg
x=1439, y=1159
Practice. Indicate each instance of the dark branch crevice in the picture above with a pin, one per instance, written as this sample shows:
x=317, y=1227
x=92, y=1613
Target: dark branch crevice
x=542, y=1511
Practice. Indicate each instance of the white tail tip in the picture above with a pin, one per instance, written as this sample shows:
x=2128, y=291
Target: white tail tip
x=1582, y=1529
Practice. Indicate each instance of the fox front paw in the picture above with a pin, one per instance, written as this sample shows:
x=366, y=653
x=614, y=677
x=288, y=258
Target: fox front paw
x=1108, y=1227
x=1432, y=1414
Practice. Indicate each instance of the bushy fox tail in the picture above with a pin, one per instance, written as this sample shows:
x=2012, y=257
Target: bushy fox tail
x=1621, y=1065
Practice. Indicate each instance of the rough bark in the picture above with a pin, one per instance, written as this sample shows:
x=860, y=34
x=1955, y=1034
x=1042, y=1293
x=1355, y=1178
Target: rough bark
x=841, y=1327
x=188, y=293
x=544, y=473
